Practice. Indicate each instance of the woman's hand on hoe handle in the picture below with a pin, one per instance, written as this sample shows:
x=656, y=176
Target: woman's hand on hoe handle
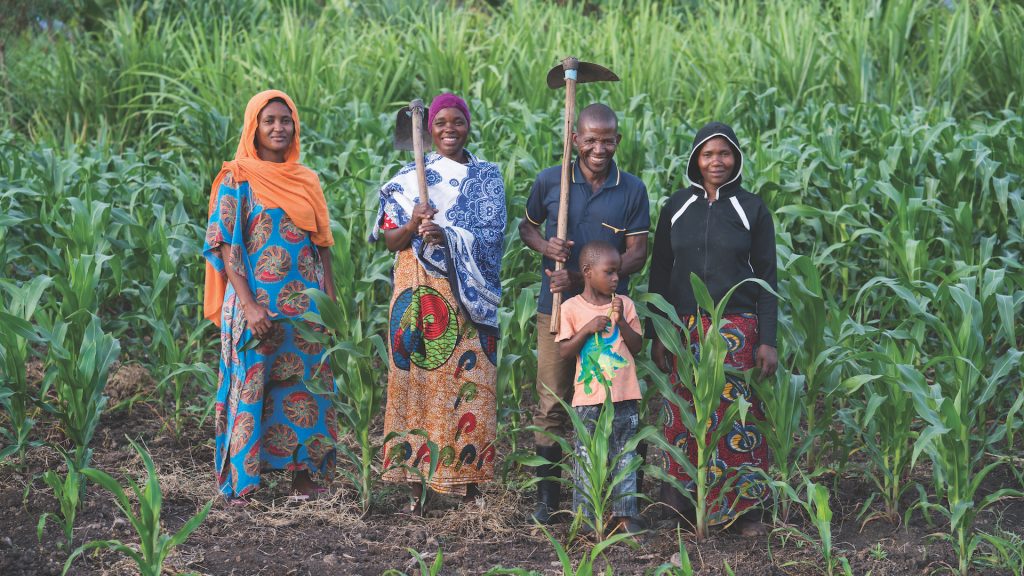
x=422, y=224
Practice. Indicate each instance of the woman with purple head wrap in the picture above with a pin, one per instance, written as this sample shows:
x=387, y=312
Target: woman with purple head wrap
x=443, y=335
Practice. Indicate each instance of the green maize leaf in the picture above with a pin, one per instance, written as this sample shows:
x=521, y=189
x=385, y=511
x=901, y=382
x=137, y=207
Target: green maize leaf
x=854, y=383
x=18, y=327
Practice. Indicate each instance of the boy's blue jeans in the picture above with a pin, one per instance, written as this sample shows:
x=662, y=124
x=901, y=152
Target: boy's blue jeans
x=624, y=426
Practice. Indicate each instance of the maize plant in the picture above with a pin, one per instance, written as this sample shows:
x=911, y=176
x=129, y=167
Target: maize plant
x=957, y=409
x=594, y=471
x=68, y=492
x=704, y=378
x=359, y=396
x=78, y=372
x=154, y=543
x=17, y=313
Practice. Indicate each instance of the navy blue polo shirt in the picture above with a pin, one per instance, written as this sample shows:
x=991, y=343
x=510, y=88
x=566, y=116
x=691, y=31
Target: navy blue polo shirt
x=619, y=209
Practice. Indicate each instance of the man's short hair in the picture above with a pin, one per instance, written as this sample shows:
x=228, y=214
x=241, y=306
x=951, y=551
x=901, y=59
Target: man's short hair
x=597, y=114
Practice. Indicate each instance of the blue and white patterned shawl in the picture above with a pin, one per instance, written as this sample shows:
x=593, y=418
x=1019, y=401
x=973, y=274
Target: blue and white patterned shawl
x=470, y=203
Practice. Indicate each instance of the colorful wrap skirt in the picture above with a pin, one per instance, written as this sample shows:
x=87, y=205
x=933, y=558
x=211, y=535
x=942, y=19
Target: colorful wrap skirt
x=739, y=455
x=441, y=386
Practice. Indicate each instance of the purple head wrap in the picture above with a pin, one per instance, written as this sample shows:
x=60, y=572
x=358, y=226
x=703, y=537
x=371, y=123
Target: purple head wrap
x=447, y=100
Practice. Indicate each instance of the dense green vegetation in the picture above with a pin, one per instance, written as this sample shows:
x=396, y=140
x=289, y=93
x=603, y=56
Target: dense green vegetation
x=885, y=135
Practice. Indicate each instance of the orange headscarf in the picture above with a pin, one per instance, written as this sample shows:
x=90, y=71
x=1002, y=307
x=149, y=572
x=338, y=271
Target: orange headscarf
x=287, y=185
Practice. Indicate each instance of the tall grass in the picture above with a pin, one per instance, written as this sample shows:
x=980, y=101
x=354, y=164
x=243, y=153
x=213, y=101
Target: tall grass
x=141, y=66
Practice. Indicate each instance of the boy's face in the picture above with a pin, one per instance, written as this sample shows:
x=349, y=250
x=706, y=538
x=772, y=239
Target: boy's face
x=603, y=275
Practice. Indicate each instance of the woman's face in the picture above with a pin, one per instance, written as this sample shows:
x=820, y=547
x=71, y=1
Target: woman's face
x=716, y=161
x=449, y=132
x=275, y=130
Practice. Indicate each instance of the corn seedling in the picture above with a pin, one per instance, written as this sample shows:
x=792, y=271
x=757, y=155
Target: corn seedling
x=421, y=561
x=955, y=409
x=818, y=356
x=685, y=567
x=885, y=423
x=68, y=492
x=1007, y=551
x=781, y=427
x=400, y=450
x=154, y=543
x=19, y=308
x=595, y=471
x=161, y=298
x=588, y=564
x=819, y=512
x=353, y=372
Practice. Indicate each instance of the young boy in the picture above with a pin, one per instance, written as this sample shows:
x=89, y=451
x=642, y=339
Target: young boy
x=602, y=331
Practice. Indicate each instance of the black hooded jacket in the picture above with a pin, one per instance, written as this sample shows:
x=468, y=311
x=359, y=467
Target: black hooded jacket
x=723, y=242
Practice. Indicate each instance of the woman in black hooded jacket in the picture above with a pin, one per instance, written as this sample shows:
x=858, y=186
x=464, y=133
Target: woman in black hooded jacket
x=725, y=235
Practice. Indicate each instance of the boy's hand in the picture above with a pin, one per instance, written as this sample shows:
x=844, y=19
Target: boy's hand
x=598, y=325
x=616, y=314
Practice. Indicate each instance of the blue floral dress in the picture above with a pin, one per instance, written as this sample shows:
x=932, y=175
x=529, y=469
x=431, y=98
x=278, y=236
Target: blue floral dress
x=267, y=416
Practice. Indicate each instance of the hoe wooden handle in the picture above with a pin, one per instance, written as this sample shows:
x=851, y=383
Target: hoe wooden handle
x=416, y=109
x=570, y=65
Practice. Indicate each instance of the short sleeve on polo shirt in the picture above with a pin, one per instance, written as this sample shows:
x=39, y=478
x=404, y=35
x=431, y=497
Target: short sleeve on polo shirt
x=638, y=216
x=535, y=211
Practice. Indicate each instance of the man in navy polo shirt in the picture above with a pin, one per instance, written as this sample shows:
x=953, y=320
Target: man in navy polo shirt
x=604, y=204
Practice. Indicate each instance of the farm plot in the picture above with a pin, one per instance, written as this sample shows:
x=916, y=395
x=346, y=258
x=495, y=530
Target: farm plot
x=885, y=137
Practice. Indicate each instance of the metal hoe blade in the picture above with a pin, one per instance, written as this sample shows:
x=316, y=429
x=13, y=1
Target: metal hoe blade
x=403, y=128
x=587, y=72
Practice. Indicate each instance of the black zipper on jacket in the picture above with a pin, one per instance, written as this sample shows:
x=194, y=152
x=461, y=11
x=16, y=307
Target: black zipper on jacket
x=707, y=227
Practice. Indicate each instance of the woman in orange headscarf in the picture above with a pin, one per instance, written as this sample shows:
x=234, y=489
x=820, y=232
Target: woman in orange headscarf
x=267, y=240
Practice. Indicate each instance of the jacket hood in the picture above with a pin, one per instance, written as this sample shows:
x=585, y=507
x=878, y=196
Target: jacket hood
x=707, y=132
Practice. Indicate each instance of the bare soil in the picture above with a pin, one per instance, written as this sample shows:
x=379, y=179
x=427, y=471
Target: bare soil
x=273, y=536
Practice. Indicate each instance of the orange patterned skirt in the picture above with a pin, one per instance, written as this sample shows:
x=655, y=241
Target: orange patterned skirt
x=441, y=386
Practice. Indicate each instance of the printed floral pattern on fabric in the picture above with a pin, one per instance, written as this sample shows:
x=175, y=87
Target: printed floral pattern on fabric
x=743, y=448
x=441, y=380
x=266, y=417
x=424, y=328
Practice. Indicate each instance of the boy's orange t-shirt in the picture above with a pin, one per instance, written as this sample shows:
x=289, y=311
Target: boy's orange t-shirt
x=608, y=356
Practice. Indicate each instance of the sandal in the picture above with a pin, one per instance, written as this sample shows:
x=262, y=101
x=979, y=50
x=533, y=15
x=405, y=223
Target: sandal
x=239, y=501
x=414, y=507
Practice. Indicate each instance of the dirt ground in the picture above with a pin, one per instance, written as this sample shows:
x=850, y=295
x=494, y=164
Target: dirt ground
x=276, y=537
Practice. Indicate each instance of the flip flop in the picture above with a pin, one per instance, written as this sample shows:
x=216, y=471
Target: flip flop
x=413, y=507
x=239, y=501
